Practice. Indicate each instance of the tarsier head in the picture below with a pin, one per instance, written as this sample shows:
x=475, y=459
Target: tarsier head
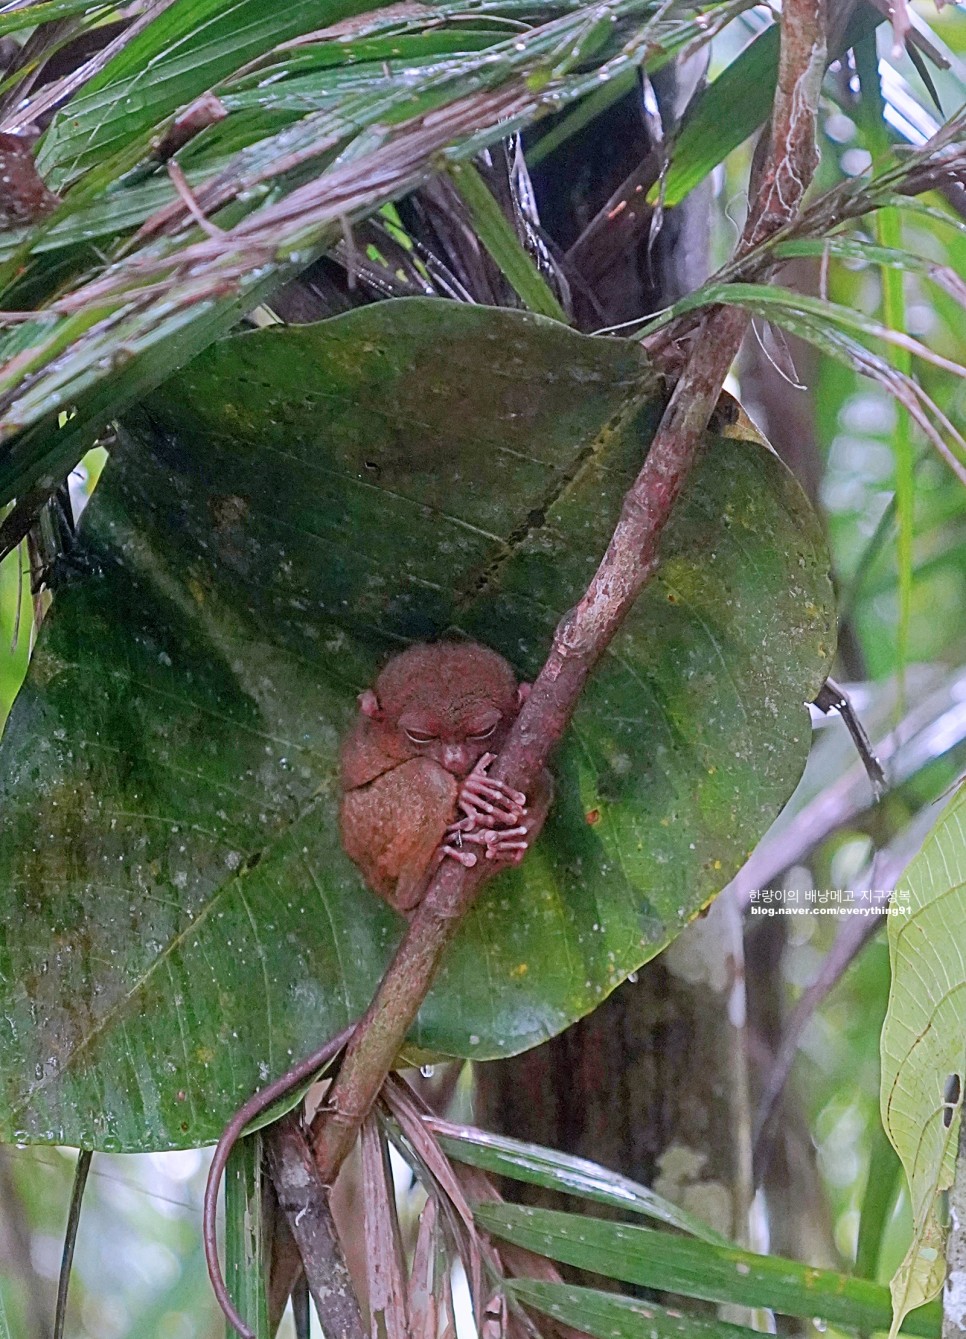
x=450, y=701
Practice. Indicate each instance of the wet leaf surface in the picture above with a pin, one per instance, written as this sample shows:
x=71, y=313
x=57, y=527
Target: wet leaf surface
x=179, y=921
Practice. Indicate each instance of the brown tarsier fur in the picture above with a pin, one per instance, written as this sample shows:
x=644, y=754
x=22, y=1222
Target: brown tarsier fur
x=414, y=781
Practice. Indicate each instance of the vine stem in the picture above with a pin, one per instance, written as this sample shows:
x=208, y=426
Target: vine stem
x=586, y=631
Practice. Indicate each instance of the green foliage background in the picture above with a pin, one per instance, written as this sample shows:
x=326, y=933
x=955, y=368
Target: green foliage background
x=149, y=1204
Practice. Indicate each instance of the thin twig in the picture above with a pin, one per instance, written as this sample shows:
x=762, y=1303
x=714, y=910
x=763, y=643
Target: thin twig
x=81, y=1172
x=832, y=697
x=180, y=183
x=930, y=731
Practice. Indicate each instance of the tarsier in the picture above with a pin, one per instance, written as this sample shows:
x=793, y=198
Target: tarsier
x=414, y=771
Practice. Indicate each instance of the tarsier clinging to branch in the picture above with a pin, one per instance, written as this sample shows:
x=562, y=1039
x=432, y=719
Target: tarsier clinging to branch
x=414, y=771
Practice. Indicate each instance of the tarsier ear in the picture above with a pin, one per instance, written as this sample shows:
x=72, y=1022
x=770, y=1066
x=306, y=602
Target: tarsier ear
x=523, y=692
x=369, y=705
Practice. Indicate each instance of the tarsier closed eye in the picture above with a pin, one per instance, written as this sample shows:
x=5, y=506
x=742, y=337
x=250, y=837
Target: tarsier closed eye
x=419, y=737
x=484, y=734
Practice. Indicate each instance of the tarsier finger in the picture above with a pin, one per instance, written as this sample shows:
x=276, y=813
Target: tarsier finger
x=491, y=803
x=473, y=803
x=497, y=838
x=515, y=797
x=493, y=790
x=514, y=851
x=491, y=817
x=507, y=846
x=465, y=858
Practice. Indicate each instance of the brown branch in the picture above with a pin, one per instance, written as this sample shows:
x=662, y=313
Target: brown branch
x=305, y=1203
x=586, y=631
x=940, y=165
x=579, y=642
x=793, y=156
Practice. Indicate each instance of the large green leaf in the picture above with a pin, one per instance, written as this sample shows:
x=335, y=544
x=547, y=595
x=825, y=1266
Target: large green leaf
x=180, y=919
x=922, y=1044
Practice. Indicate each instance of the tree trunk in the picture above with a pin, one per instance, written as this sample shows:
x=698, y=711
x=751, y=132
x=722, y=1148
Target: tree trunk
x=652, y=1084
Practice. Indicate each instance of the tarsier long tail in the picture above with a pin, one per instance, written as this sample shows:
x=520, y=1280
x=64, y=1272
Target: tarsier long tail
x=250, y=1111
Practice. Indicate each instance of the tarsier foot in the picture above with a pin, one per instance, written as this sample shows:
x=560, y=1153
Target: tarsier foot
x=490, y=803
x=509, y=844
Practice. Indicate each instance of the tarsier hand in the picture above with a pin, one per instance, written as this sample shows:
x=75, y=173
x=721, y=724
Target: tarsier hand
x=494, y=818
x=488, y=802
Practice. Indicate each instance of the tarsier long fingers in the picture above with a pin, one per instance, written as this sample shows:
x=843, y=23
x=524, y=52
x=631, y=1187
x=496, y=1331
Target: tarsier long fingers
x=491, y=817
x=488, y=801
x=510, y=844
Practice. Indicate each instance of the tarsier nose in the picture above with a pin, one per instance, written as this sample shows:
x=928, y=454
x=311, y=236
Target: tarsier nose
x=456, y=759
